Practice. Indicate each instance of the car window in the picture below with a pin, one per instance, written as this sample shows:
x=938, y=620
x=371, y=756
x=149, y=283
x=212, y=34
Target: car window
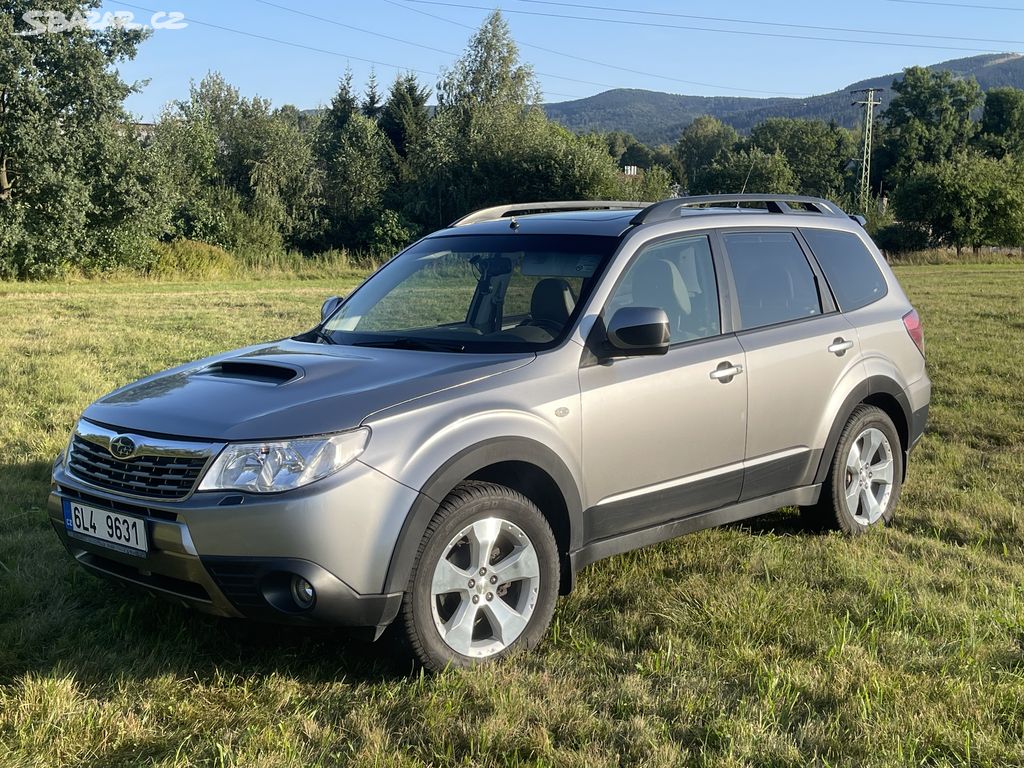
x=437, y=294
x=774, y=282
x=679, y=277
x=474, y=293
x=849, y=267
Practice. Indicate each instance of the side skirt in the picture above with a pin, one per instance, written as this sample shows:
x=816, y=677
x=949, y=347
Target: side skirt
x=616, y=545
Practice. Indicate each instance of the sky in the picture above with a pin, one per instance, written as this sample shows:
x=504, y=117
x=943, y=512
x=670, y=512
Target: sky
x=295, y=51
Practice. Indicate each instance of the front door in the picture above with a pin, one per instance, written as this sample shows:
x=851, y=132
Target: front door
x=663, y=436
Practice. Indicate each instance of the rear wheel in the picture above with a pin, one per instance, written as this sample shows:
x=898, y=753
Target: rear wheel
x=864, y=481
x=485, y=581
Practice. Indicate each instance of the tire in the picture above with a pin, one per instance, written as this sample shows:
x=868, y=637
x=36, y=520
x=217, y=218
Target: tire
x=861, y=492
x=462, y=607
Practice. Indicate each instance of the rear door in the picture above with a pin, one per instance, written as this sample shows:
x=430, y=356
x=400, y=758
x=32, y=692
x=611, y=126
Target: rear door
x=662, y=438
x=797, y=347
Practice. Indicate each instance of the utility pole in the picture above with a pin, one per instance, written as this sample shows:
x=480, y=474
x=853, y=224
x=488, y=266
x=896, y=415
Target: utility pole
x=869, y=103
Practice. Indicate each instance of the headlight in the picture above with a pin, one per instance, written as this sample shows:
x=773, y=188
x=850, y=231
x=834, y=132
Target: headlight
x=270, y=467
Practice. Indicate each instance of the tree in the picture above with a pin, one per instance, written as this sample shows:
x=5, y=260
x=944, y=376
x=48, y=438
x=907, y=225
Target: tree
x=701, y=142
x=240, y=174
x=354, y=159
x=343, y=105
x=405, y=116
x=1002, y=122
x=927, y=122
x=970, y=200
x=650, y=185
x=75, y=187
x=489, y=142
x=750, y=170
x=488, y=74
x=816, y=151
x=356, y=168
x=617, y=143
x=371, y=105
x=667, y=159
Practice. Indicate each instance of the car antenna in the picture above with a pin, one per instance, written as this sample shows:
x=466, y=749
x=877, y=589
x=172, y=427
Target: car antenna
x=753, y=160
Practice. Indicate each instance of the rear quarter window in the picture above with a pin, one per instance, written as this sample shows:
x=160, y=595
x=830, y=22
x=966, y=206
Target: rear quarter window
x=849, y=267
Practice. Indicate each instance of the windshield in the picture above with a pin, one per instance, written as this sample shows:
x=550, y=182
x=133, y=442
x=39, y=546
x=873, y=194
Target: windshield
x=495, y=293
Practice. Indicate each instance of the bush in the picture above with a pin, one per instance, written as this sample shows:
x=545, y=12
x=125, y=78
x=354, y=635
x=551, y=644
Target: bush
x=940, y=256
x=901, y=238
x=191, y=259
x=391, y=233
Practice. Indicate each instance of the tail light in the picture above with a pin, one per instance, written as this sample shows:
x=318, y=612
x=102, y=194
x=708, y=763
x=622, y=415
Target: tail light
x=914, y=328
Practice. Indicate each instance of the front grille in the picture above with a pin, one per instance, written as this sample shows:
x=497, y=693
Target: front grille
x=239, y=582
x=117, y=506
x=167, y=584
x=157, y=477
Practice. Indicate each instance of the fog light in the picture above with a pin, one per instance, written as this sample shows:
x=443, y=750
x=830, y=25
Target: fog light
x=303, y=593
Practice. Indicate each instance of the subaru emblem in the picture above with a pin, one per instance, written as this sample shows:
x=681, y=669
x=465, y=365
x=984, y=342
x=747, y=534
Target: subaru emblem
x=122, y=447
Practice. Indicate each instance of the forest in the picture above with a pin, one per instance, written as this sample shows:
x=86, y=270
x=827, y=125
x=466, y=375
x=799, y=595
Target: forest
x=84, y=189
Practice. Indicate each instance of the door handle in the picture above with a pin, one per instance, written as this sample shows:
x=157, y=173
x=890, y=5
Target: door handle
x=840, y=346
x=725, y=372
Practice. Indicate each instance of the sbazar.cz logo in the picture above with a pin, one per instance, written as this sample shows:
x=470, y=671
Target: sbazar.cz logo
x=53, y=22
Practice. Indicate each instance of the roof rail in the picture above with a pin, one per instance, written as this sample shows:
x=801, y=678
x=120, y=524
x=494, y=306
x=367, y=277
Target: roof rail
x=522, y=209
x=669, y=209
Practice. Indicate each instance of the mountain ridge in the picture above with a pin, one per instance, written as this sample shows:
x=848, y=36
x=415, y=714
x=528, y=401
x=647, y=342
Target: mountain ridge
x=656, y=117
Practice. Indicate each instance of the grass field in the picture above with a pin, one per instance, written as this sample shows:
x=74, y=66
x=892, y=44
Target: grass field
x=751, y=645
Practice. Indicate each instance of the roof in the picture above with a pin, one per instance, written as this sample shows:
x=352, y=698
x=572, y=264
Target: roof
x=600, y=223
x=614, y=218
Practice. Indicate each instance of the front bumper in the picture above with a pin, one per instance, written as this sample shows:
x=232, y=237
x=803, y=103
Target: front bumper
x=233, y=554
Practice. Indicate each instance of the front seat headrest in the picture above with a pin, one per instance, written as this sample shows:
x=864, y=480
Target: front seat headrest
x=658, y=281
x=552, y=300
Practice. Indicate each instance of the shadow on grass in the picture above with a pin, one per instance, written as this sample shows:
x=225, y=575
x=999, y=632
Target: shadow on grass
x=56, y=616
x=782, y=522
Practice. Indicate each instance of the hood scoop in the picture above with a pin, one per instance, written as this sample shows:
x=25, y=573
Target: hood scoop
x=253, y=370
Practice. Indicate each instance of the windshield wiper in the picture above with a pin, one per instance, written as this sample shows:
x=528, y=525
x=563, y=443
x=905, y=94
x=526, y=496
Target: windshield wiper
x=413, y=342
x=326, y=338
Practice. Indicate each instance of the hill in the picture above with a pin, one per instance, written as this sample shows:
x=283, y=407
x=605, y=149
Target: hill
x=656, y=118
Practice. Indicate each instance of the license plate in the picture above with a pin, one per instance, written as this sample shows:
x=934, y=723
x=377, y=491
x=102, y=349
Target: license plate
x=111, y=529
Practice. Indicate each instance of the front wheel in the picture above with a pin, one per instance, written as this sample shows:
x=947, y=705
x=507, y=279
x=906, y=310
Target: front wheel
x=485, y=581
x=864, y=481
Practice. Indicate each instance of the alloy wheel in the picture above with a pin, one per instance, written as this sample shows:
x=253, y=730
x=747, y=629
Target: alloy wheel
x=485, y=587
x=869, y=476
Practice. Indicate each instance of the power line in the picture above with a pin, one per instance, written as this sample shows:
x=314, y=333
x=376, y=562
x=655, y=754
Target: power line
x=599, y=63
x=728, y=20
x=289, y=43
x=960, y=5
x=692, y=28
x=418, y=45
x=337, y=23
x=303, y=46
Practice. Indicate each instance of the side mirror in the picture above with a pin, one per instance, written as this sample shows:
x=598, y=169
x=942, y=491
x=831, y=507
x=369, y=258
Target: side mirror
x=635, y=331
x=328, y=307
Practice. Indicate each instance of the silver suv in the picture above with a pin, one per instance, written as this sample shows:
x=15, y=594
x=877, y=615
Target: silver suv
x=529, y=390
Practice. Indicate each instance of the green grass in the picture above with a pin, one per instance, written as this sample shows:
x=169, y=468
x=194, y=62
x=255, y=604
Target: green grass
x=750, y=645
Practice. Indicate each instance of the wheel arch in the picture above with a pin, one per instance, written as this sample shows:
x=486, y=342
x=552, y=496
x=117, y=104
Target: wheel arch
x=526, y=466
x=882, y=392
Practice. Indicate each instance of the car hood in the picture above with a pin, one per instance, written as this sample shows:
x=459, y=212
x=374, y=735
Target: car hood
x=287, y=389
